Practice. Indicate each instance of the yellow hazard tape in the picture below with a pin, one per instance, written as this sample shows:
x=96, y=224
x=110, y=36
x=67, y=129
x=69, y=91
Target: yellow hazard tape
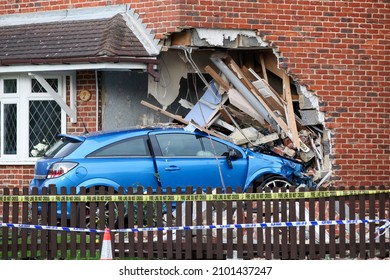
x=186, y=197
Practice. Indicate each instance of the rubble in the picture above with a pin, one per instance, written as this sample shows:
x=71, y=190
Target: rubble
x=240, y=106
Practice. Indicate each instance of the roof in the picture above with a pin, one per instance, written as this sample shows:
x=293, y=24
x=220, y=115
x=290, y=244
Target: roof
x=107, y=37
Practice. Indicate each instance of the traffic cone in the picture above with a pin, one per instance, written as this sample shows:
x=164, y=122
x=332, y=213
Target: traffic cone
x=106, y=252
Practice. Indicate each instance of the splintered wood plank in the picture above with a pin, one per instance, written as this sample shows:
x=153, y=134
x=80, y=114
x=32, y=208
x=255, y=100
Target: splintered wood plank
x=290, y=111
x=217, y=77
x=209, y=131
x=271, y=64
x=162, y=111
x=265, y=84
x=247, y=73
x=272, y=102
x=263, y=68
x=180, y=119
x=234, y=67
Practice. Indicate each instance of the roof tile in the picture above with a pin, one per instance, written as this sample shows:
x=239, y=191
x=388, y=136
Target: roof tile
x=71, y=39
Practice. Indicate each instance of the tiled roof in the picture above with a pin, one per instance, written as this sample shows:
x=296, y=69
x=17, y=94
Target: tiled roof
x=109, y=37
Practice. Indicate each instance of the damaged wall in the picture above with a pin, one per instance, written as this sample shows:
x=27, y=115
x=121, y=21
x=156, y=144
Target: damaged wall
x=172, y=69
x=258, y=113
x=336, y=49
x=239, y=106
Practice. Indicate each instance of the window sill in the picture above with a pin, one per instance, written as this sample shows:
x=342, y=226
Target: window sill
x=17, y=162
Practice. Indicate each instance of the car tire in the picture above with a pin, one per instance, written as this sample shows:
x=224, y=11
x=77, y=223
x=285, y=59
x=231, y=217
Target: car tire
x=272, y=182
x=99, y=224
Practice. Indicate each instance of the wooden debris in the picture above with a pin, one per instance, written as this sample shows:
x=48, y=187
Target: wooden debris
x=263, y=69
x=290, y=111
x=240, y=102
x=169, y=115
x=217, y=77
x=247, y=111
x=183, y=121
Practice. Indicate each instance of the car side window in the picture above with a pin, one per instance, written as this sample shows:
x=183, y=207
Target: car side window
x=174, y=144
x=125, y=148
x=214, y=148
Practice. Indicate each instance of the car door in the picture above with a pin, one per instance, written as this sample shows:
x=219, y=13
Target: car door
x=126, y=163
x=188, y=159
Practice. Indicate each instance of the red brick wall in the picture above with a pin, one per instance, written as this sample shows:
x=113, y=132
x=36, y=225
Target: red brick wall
x=15, y=176
x=86, y=110
x=338, y=49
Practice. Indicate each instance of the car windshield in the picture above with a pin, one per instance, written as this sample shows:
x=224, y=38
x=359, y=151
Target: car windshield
x=63, y=147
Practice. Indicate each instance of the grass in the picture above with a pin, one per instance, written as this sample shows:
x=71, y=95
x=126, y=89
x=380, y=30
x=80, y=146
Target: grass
x=27, y=240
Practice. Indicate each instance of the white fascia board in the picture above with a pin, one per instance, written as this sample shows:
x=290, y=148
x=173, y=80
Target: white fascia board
x=143, y=34
x=72, y=67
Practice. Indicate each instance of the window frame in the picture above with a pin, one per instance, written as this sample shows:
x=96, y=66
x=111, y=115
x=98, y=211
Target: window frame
x=199, y=139
x=22, y=98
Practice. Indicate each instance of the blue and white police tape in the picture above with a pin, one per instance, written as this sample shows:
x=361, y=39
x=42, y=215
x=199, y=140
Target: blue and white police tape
x=42, y=227
x=379, y=231
x=382, y=229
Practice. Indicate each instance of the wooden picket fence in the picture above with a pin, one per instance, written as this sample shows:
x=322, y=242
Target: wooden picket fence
x=331, y=241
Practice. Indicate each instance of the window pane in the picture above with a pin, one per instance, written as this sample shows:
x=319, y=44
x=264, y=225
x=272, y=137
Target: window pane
x=215, y=148
x=129, y=147
x=10, y=119
x=44, y=125
x=10, y=86
x=179, y=144
x=36, y=87
x=62, y=148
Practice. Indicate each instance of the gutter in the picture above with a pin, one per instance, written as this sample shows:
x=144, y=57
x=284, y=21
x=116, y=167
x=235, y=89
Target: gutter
x=86, y=63
x=70, y=60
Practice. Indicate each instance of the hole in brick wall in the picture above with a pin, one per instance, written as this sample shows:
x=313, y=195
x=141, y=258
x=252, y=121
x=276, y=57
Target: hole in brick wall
x=287, y=119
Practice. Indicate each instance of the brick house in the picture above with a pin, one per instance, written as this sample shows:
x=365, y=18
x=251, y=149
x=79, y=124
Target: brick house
x=77, y=65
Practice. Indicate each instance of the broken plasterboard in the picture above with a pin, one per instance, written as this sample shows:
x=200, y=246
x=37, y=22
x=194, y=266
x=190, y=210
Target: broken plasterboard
x=243, y=136
x=206, y=108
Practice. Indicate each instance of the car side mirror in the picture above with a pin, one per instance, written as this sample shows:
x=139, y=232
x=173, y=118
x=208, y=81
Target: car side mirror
x=232, y=155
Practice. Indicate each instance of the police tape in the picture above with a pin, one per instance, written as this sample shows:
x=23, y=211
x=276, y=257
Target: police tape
x=187, y=197
x=379, y=231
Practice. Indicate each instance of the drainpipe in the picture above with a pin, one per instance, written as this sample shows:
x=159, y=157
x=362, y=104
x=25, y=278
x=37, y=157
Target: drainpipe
x=97, y=99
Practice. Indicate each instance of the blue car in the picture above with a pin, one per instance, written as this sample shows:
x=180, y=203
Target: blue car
x=159, y=157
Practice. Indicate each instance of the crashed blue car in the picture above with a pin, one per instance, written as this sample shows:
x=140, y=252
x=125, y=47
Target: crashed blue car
x=159, y=157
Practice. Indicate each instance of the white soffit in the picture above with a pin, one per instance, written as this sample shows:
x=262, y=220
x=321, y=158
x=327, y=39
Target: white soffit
x=72, y=67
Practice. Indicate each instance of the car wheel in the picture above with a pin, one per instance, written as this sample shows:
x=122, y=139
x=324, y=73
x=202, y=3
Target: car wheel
x=93, y=216
x=272, y=182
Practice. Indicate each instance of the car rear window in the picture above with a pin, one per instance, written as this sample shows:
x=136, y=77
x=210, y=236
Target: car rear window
x=131, y=147
x=63, y=147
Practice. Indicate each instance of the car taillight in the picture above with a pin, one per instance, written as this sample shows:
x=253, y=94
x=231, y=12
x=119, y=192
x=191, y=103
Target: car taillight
x=60, y=168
